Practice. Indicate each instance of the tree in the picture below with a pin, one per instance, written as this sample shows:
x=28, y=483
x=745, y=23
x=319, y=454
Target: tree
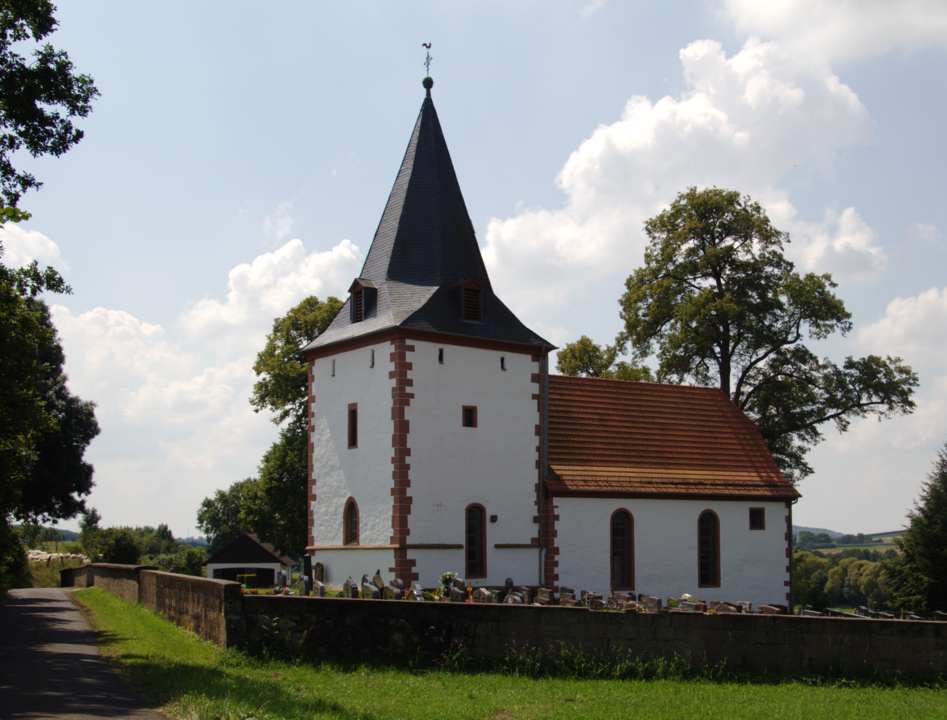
x=283, y=385
x=220, y=518
x=88, y=532
x=37, y=99
x=584, y=358
x=275, y=504
x=59, y=475
x=919, y=575
x=719, y=304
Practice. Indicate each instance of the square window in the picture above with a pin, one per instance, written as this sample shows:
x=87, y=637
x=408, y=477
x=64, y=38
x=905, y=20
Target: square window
x=757, y=519
x=470, y=416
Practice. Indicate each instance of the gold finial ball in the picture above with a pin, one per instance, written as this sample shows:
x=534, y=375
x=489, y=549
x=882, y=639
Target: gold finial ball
x=428, y=83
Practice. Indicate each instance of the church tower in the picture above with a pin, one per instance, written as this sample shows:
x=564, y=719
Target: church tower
x=425, y=400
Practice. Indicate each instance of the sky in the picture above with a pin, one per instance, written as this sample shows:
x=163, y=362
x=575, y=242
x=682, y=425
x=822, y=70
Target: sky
x=241, y=154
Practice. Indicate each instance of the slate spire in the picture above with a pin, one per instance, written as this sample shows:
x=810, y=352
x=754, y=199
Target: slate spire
x=424, y=254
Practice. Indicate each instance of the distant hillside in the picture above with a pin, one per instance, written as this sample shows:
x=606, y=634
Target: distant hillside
x=796, y=529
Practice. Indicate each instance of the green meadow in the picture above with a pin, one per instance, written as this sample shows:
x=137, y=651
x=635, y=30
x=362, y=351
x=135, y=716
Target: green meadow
x=190, y=679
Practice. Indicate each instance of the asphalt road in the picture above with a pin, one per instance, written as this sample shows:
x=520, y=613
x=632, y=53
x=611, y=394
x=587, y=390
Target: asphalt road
x=50, y=666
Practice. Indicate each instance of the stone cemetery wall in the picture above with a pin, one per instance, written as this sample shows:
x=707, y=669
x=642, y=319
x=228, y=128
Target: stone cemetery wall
x=217, y=611
x=76, y=577
x=767, y=643
x=119, y=580
x=211, y=608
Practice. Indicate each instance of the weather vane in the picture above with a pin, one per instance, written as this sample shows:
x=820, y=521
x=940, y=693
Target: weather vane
x=427, y=60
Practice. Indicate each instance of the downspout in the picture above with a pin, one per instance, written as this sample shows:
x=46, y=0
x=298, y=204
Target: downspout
x=544, y=458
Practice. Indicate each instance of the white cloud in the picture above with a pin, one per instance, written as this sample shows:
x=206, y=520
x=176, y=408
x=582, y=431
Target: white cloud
x=842, y=244
x=914, y=328
x=174, y=406
x=838, y=30
x=21, y=247
x=927, y=233
x=265, y=289
x=744, y=122
x=592, y=7
x=280, y=224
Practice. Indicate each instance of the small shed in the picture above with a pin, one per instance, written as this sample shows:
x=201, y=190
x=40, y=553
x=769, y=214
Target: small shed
x=246, y=555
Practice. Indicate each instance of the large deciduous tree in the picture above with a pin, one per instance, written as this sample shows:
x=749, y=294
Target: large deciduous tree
x=919, y=575
x=586, y=359
x=282, y=384
x=720, y=304
x=220, y=517
x=275, y=504
x=38, y=98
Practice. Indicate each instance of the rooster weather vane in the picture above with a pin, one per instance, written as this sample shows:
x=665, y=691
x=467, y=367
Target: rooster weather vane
x=428, y=58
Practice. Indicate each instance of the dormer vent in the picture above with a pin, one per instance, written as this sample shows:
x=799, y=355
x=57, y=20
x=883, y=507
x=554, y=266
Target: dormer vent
x=362, y=299
x=472, y=296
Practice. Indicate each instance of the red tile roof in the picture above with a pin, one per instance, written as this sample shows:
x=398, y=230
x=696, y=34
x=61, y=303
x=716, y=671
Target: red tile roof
x=611, y=436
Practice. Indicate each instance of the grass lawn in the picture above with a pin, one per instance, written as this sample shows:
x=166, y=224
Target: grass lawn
x=191, y=679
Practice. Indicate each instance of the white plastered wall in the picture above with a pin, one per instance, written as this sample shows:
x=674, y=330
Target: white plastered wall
x=752, y=562
x=493, y=464
x=363, y=473
x=353, y=563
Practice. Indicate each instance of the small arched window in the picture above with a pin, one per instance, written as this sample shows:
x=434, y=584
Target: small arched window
x=476, y=542
x=623, y=551
x=350, y=523
x=708, y=549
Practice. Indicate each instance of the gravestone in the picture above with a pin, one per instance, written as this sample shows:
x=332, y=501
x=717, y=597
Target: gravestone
x=457, y=595
x=724, y=609
x=307, y=585
x=378, y=581
x=369, y=591
x=652, y=604
x=617, y=601
x=688, y=606
x=545, y=596
x=595, y=603
x=416, y=593
x=319, y=572
x=587, y=597
x=318, y=589
x=483, y=595
x=513, y=598
x=772, y=610
x=526, y=594
x=744, y=606
x=350, y=589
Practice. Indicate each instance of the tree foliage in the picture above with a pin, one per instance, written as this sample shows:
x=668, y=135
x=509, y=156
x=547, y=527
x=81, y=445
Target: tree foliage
x=38, y=98
x=586, y=359
x=220, y=517
x=920, y=575
x=719, y=304
x=282, y=384
x=275, y=505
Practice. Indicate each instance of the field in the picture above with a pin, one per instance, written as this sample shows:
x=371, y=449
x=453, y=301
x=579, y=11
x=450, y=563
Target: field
x=188, y=678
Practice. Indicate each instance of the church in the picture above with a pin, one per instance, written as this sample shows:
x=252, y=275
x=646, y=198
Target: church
x=440, y=442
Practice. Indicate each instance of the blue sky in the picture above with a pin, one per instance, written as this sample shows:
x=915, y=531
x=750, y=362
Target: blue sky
x=240, y=157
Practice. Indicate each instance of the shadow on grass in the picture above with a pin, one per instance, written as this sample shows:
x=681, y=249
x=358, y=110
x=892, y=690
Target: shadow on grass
x=228, y=685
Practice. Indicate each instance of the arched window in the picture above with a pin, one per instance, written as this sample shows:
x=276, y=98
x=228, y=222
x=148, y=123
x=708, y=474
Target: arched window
x=623, y=551
x=350, y=523
x=708, y=549
x=476, y=542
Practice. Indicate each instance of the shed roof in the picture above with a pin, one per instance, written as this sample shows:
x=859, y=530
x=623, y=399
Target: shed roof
x=612, y=436
x=424, y=246
x=247, y=548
